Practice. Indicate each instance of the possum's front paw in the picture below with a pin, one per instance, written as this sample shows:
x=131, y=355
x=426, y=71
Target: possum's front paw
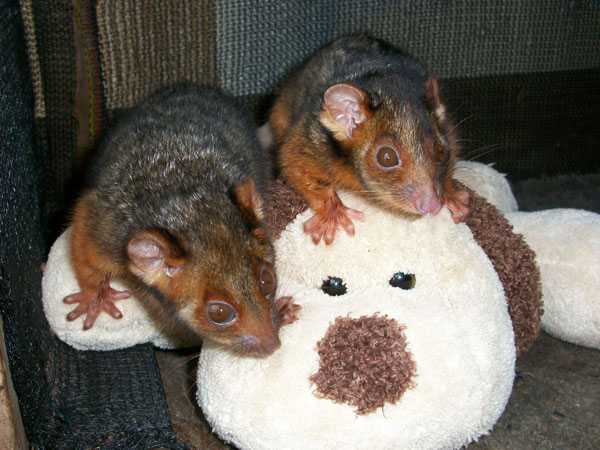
x=93, y=302
x=458, y=204
x=330, y=217
x=286, y=311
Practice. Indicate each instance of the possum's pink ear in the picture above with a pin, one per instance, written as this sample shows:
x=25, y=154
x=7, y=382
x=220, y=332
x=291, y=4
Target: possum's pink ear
x=247, y=199
x=344, y=109
x=153, y=254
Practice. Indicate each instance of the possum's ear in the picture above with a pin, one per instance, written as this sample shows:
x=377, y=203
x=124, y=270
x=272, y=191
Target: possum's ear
x=344, y=109
x=434, y=101
x=153, y=254
x=247, y=199
x=442, y=123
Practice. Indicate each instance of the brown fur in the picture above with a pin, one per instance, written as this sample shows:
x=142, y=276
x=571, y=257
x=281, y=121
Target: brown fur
x=175, y=212
x=332, y=117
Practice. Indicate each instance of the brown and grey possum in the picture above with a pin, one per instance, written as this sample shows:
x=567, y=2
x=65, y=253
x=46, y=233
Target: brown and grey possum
x=174, y=210
x=363, y=116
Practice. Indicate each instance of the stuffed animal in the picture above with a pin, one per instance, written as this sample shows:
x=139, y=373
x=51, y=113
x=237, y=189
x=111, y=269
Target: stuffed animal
x=408, y=332
x=404, y=339
x=567, y=247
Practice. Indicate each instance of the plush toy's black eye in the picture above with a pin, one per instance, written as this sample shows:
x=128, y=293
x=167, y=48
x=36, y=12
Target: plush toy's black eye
x=334, y=286
x=403, y=280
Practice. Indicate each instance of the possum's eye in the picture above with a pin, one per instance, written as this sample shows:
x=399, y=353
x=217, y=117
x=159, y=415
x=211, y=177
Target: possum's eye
x=267, y=280
x=387, y=157
x=403, y=280
x=334, y=286
x=220, y=313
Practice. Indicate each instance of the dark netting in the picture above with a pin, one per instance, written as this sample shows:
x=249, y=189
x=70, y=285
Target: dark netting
x=111, y=400
x=531, y=125
x=68, y=399
x=22, y=242
x=55, y=124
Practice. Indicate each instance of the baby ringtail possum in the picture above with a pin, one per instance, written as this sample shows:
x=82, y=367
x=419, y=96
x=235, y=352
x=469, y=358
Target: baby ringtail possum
x=363, y=116
x=174, y=210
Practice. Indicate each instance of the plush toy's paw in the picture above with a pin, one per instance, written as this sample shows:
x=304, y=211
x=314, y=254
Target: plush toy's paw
x=92, y=302
x=567, y=247
x=286, y=311
x=332, y=216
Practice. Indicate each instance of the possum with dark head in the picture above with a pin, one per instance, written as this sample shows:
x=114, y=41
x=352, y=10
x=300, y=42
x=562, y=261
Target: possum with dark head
x=174, y=210
x=363, y=116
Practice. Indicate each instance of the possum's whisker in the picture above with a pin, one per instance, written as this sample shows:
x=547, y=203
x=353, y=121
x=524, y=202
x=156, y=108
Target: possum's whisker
x=457, y=124
x=188, y=381
x=191, y=381
x=462, y=169
x=374, y=199
x=234, y=348
x=488, y=149
x=479, y=151
x=365, y=192
x=369, y=195
x=465, y=141
x=184, y=361
x=463, y=173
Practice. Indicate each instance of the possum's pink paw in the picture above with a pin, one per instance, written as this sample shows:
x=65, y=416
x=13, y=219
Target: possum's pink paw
x=332, y=216
x=458, y=204
x=286, y=310
x=93, y=301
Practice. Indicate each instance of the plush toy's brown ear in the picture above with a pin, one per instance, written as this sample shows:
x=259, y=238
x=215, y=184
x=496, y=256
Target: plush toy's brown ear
x=282, y=205
x=515, y=264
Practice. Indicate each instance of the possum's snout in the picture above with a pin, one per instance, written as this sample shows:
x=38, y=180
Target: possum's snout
x=256, y=346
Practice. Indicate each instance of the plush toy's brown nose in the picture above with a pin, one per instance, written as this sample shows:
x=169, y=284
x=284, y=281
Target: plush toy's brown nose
x=364, y=363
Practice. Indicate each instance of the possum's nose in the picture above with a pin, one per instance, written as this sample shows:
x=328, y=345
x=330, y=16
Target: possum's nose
x=263, y=346
x=268, y=346
x=428, y=202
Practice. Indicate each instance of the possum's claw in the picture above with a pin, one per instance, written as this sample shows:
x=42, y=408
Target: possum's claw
x=93, y=301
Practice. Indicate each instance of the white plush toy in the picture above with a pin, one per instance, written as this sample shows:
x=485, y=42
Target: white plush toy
x=408, y=331
x=567, y=247
x=404, y=340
